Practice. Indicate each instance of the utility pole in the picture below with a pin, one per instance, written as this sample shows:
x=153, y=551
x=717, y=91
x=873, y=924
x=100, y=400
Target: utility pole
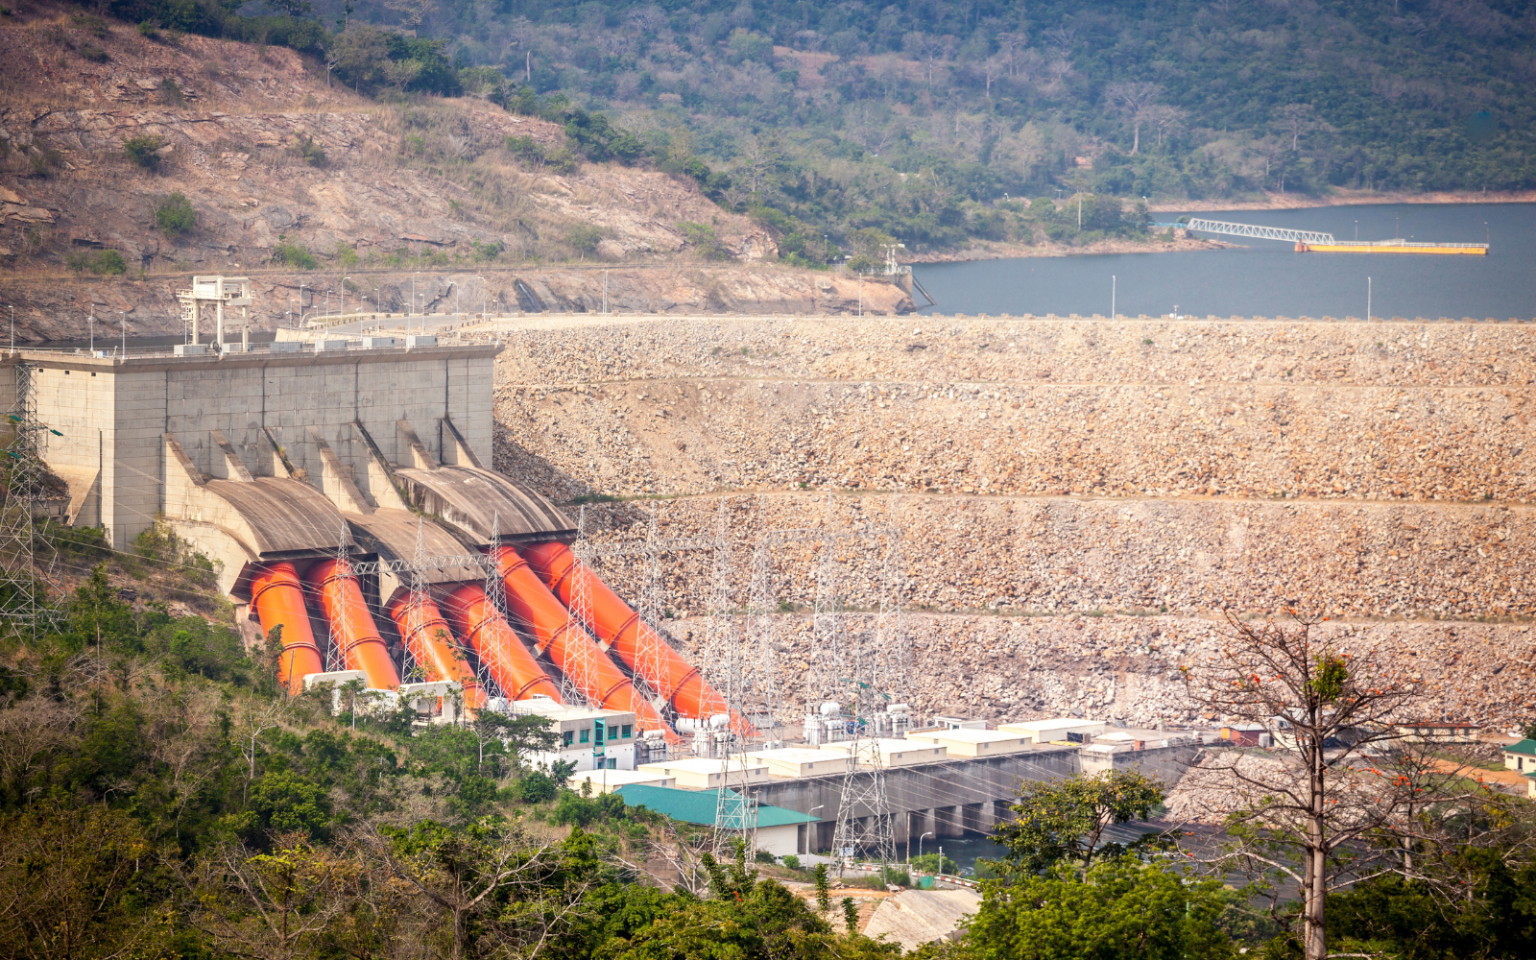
x=123, y=316
x=605, y=292
x=91, y=322
x=1367, y=299
x=13, y=330
x=344, y=297
x=1112, y=283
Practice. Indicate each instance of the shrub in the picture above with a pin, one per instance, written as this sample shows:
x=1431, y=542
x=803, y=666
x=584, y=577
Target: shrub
x=535, y=787
x=144, y=149
x=170, y=92
x=294, y=255
x=525, y=148
x=100, y=262
x=865, y=264
x=174, y=215
x=147, y=28
x=584, y=238
x=791, y=861
x=309, y=151
x=702, y=237
x=91, y=24
x=93, y=53
x=44, y=159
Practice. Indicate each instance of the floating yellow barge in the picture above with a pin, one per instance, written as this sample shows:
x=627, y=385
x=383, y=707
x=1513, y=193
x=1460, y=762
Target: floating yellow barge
x=1394, y=246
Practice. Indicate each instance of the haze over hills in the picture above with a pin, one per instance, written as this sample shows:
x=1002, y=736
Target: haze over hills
x=820, y=132
x=914, y=119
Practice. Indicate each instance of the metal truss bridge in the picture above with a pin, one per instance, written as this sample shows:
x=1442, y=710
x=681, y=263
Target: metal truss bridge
x=1250, y=230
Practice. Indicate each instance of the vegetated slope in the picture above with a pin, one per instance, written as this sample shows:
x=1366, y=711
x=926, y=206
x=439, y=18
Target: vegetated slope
x=279, y=169
x=1078, y=496
x=918, y=118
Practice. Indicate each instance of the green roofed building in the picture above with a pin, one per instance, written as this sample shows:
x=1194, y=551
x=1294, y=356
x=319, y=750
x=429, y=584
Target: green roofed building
x=1521, y=756
x=779, y=831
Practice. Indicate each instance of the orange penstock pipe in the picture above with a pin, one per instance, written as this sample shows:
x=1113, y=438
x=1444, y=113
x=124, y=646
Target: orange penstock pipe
x=278, y=598
x=427, y=637
x=474, y=618
x=341, y=597
x=568, y=645
x=678, y=682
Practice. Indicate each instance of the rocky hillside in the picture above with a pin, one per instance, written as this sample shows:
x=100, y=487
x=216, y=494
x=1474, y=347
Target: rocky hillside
x=285, y=174
x=1079, y=496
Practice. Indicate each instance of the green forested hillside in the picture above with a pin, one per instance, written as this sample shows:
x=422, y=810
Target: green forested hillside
x=920, y=119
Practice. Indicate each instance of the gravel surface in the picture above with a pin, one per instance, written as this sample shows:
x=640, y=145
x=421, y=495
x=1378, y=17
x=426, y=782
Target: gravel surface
x=1080, y=495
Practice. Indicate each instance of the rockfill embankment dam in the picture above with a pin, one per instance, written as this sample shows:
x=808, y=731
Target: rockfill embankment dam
x=1080, y=497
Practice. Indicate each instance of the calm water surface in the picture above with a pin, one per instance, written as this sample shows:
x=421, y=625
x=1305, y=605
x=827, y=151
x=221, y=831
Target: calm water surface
x=1268, y=278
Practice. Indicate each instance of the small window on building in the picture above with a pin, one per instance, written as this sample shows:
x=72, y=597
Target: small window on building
x=568, y=737
x=625, y=733
x=586, y=736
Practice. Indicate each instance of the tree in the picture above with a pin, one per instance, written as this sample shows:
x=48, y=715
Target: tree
x=276, y=905
x=1164, y=118
x=1118, y=910
x=464, y=875
x=144, y=150
x=67, y=880
x=1059, y=820
x=174, y=215
x=930, y=49
x=1296, y=119
x=1329, y=793
x=744, y=917
x=292, y=8
x=360, y=54
x=1133, y=100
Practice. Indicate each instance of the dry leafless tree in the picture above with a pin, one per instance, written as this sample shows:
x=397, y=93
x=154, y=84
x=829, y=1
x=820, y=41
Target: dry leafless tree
x=1324, y=809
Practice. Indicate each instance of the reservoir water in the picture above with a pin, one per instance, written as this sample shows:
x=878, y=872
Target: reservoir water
x=1268, y=278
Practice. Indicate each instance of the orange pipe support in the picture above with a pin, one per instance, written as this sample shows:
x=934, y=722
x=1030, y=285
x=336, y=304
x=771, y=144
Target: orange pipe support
x=678, y=681
x=569, y=646
x=352, y=626
x=477, y=620
x=427, y=637
x=278, y=597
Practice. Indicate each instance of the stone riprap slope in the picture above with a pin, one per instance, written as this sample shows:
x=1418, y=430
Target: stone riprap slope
x=1128, y=667
x=1055, y=469
x=1251, y=409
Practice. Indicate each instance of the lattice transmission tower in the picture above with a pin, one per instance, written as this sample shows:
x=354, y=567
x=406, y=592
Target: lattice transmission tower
x=735, y=810
x=864, y=822
x=578, y=615
x=27, y=557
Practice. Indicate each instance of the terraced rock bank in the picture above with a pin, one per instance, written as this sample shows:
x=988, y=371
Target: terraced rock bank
x=1081, y=481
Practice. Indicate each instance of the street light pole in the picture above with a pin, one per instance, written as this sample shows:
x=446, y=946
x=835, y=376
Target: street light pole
x=91, y=322
x=344, y=298
x=123, y=316
x=920, y=849
x=301, y=301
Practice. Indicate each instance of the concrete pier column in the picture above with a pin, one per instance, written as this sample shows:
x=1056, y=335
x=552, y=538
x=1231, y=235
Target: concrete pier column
x=970, y=818
x=951, y=821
